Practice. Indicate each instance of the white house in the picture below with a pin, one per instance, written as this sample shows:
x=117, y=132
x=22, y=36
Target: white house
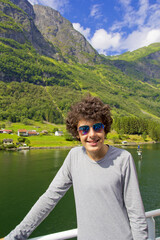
x=58, y=133
x=22, y=132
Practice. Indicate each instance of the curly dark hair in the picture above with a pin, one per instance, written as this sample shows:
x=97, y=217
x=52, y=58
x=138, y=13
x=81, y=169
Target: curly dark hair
x=89, y=108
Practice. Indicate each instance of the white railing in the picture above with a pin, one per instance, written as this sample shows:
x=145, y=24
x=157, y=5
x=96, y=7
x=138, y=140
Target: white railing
x=73, y=233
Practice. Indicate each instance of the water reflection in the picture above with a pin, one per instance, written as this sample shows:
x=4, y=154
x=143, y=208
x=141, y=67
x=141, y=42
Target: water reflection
x=139, y=153
x=24, y=152
x=25, y=175
x=139, y=166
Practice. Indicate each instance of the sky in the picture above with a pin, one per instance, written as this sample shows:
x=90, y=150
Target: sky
x=112, y=27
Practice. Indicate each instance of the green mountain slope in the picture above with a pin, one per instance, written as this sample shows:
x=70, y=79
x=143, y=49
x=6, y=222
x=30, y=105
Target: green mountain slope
x=142, y=64
x=41, y=85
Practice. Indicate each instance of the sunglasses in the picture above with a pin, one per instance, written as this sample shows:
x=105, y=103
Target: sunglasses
x=97, y=127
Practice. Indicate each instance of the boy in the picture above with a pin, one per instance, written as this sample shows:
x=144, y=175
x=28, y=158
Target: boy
x=107, y=196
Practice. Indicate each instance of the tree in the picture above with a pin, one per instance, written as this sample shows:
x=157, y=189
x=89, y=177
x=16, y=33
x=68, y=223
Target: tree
x=27, y=141
x=144, y=136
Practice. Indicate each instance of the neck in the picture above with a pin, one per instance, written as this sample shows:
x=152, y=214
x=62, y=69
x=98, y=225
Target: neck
x=96, y=156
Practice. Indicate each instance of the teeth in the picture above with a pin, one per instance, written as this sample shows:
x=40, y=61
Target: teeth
x=93, y=141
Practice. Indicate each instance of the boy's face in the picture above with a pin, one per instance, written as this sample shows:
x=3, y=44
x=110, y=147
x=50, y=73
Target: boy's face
x=92, y=140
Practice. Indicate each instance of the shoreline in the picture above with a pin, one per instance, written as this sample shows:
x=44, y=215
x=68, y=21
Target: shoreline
x=134, y=143
x=57, y=147
x=69, y=147
x=114, y=144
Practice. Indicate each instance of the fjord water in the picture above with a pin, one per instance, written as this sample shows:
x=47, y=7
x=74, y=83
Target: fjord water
x=25, y=175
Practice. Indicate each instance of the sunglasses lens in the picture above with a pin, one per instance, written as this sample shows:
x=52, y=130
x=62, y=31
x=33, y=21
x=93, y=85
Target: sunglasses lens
x=98, y=127
x=84, y=130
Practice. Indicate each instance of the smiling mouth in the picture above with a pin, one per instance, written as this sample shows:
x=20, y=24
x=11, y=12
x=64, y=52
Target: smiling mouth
x=93, y=142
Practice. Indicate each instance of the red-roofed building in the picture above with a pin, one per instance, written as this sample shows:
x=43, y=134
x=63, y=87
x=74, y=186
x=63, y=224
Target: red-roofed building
x=22, y=132
x=32, y=133
x=26, y=133
x=7, y=131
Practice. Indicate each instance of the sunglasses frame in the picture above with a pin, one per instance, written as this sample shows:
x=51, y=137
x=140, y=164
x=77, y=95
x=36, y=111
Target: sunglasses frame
x=86, y=131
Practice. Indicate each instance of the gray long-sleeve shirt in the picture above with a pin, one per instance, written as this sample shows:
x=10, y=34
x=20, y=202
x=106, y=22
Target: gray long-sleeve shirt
x=108, y=201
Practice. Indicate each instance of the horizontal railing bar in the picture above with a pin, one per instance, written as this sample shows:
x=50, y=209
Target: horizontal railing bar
x=58, y=236
x=153, y=213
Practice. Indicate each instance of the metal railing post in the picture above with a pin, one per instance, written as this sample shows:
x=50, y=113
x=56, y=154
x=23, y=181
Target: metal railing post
x=151, y=223
x=151, y=228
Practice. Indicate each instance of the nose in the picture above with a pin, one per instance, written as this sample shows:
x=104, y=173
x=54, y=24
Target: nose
x=92, y=132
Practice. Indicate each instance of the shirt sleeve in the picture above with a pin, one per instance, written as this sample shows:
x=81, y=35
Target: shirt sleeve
x=133, y=202
x=45, y=204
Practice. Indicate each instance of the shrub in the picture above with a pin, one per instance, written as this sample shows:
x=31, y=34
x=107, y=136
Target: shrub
x=68, y=136
x=21, y=139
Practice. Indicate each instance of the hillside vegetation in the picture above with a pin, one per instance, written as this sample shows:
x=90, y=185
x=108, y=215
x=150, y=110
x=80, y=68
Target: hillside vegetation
x=32, y=83
x=40, y=81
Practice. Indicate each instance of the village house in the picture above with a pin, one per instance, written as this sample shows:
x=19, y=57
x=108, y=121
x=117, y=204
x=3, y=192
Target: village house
x=58, y=133
x=32, y=133
x=7, y=141
x=6, y=131
x=22, y=132
x=44, y=132
x=26, y=133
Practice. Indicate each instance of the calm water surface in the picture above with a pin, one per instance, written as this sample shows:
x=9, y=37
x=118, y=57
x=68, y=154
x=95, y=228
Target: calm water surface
x=25, y=175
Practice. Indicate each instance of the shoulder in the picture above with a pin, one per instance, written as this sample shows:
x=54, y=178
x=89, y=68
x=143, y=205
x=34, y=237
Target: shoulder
x=119, y=151
x=71, y=157
x=76, y=150
x=75, y=157
x=74, y=153
x=120, y=156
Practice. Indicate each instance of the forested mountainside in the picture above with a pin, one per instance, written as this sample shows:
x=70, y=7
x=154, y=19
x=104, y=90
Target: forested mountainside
x=45, y=66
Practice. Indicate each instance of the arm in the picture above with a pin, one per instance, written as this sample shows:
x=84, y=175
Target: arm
x=45, y=204
x=133, y=202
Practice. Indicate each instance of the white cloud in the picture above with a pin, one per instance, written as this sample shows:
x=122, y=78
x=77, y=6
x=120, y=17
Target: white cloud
x=132, y=18
x=103, y=41
x=33, y=2
x=153, y=36
x=58, y=5
x=125, y=2
x=145, y=22
x=85, y=32
x=138, y=39
x=95, y=11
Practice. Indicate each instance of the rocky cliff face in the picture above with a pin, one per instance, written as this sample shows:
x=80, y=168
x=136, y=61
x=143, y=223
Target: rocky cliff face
x=50, y=33
x=26, y=6
x=19, y=25
x=61, y=33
